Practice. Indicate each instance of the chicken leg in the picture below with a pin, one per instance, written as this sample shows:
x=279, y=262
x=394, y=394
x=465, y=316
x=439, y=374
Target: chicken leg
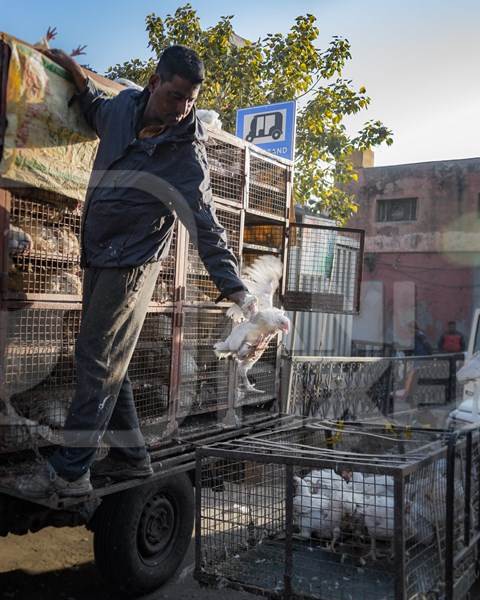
x=242, y=372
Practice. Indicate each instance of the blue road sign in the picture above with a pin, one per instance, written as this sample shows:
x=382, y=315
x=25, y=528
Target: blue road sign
x=271, y=127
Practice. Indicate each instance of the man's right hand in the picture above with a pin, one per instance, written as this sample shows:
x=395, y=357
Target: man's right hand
x=69, y=64
x=247, y=302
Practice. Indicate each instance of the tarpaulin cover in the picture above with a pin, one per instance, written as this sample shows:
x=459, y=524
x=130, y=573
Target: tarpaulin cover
x=48, y=143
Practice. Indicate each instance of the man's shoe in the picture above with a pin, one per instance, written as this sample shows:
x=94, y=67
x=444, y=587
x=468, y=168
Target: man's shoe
x=45, y=482
x=122, y=469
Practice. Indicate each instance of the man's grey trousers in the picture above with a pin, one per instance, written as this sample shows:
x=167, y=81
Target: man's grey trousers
x=115, y=303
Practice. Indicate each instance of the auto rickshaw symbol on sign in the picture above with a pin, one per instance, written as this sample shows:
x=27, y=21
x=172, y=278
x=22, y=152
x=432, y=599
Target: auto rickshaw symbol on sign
x=266, y=125
x=271, y=127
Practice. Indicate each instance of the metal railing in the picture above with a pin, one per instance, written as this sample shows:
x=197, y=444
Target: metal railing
x=355, y=387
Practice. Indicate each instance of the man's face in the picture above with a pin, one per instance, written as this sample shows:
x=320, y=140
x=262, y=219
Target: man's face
x=451, y=327
x=171, y=101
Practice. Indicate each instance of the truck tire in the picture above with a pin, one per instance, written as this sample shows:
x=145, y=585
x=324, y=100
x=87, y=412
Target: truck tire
x=142, y=534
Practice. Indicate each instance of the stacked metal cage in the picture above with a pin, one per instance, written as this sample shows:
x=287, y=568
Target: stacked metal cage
x=249, y=188
x=335, y=511
x=180, y=387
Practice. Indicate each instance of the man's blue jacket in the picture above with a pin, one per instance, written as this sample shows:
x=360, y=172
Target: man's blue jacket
x=139, y=186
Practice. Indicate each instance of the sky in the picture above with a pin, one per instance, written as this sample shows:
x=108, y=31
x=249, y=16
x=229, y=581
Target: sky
x=418, y=59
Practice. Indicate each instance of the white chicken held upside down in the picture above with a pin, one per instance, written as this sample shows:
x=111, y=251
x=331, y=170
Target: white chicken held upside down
x=250, y=337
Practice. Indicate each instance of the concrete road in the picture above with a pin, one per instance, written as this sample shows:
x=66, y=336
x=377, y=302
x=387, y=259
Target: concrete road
x=57, y=564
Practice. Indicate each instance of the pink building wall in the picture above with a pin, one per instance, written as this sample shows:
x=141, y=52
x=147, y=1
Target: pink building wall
x=439, y=252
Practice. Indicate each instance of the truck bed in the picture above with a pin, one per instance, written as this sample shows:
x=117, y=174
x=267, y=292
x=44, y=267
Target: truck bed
x=178, y=456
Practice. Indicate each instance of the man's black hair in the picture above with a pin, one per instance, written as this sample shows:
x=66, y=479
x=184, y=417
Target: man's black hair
x=181, y=61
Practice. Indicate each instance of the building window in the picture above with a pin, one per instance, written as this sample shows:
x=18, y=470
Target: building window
x=398, y=209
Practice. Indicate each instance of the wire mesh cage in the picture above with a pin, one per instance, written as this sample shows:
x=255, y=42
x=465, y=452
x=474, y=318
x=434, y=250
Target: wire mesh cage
x=38, y=374
x=263, y=237
x=331, y=511
x=199, y=285
x=149, y=369
x=260, y=238
x=38, y=378
x=209, y=392
x=268, y=187
x=204, y=381
x=227, y=168
x=164, y=292
x=462, y=512
x=324, y=269
x=361, y=387
x=43, y=247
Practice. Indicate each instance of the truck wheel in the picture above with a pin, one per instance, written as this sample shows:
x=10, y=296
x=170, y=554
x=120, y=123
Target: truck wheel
x=141, y=535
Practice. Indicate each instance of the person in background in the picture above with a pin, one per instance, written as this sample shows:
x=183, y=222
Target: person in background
x=421, y=345
x=451, y=341
x=410, y=368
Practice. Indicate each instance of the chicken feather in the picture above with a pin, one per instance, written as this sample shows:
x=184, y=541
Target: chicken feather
x=250, y=337
x=262, y=279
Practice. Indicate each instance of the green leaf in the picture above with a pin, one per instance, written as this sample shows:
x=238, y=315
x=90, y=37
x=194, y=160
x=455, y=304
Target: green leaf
x=276, y=68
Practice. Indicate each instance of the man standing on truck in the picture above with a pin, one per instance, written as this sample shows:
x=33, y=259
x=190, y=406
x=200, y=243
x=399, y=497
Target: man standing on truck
x=150, y=163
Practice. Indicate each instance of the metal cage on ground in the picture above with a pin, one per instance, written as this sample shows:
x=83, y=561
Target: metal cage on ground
x=337, y=511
